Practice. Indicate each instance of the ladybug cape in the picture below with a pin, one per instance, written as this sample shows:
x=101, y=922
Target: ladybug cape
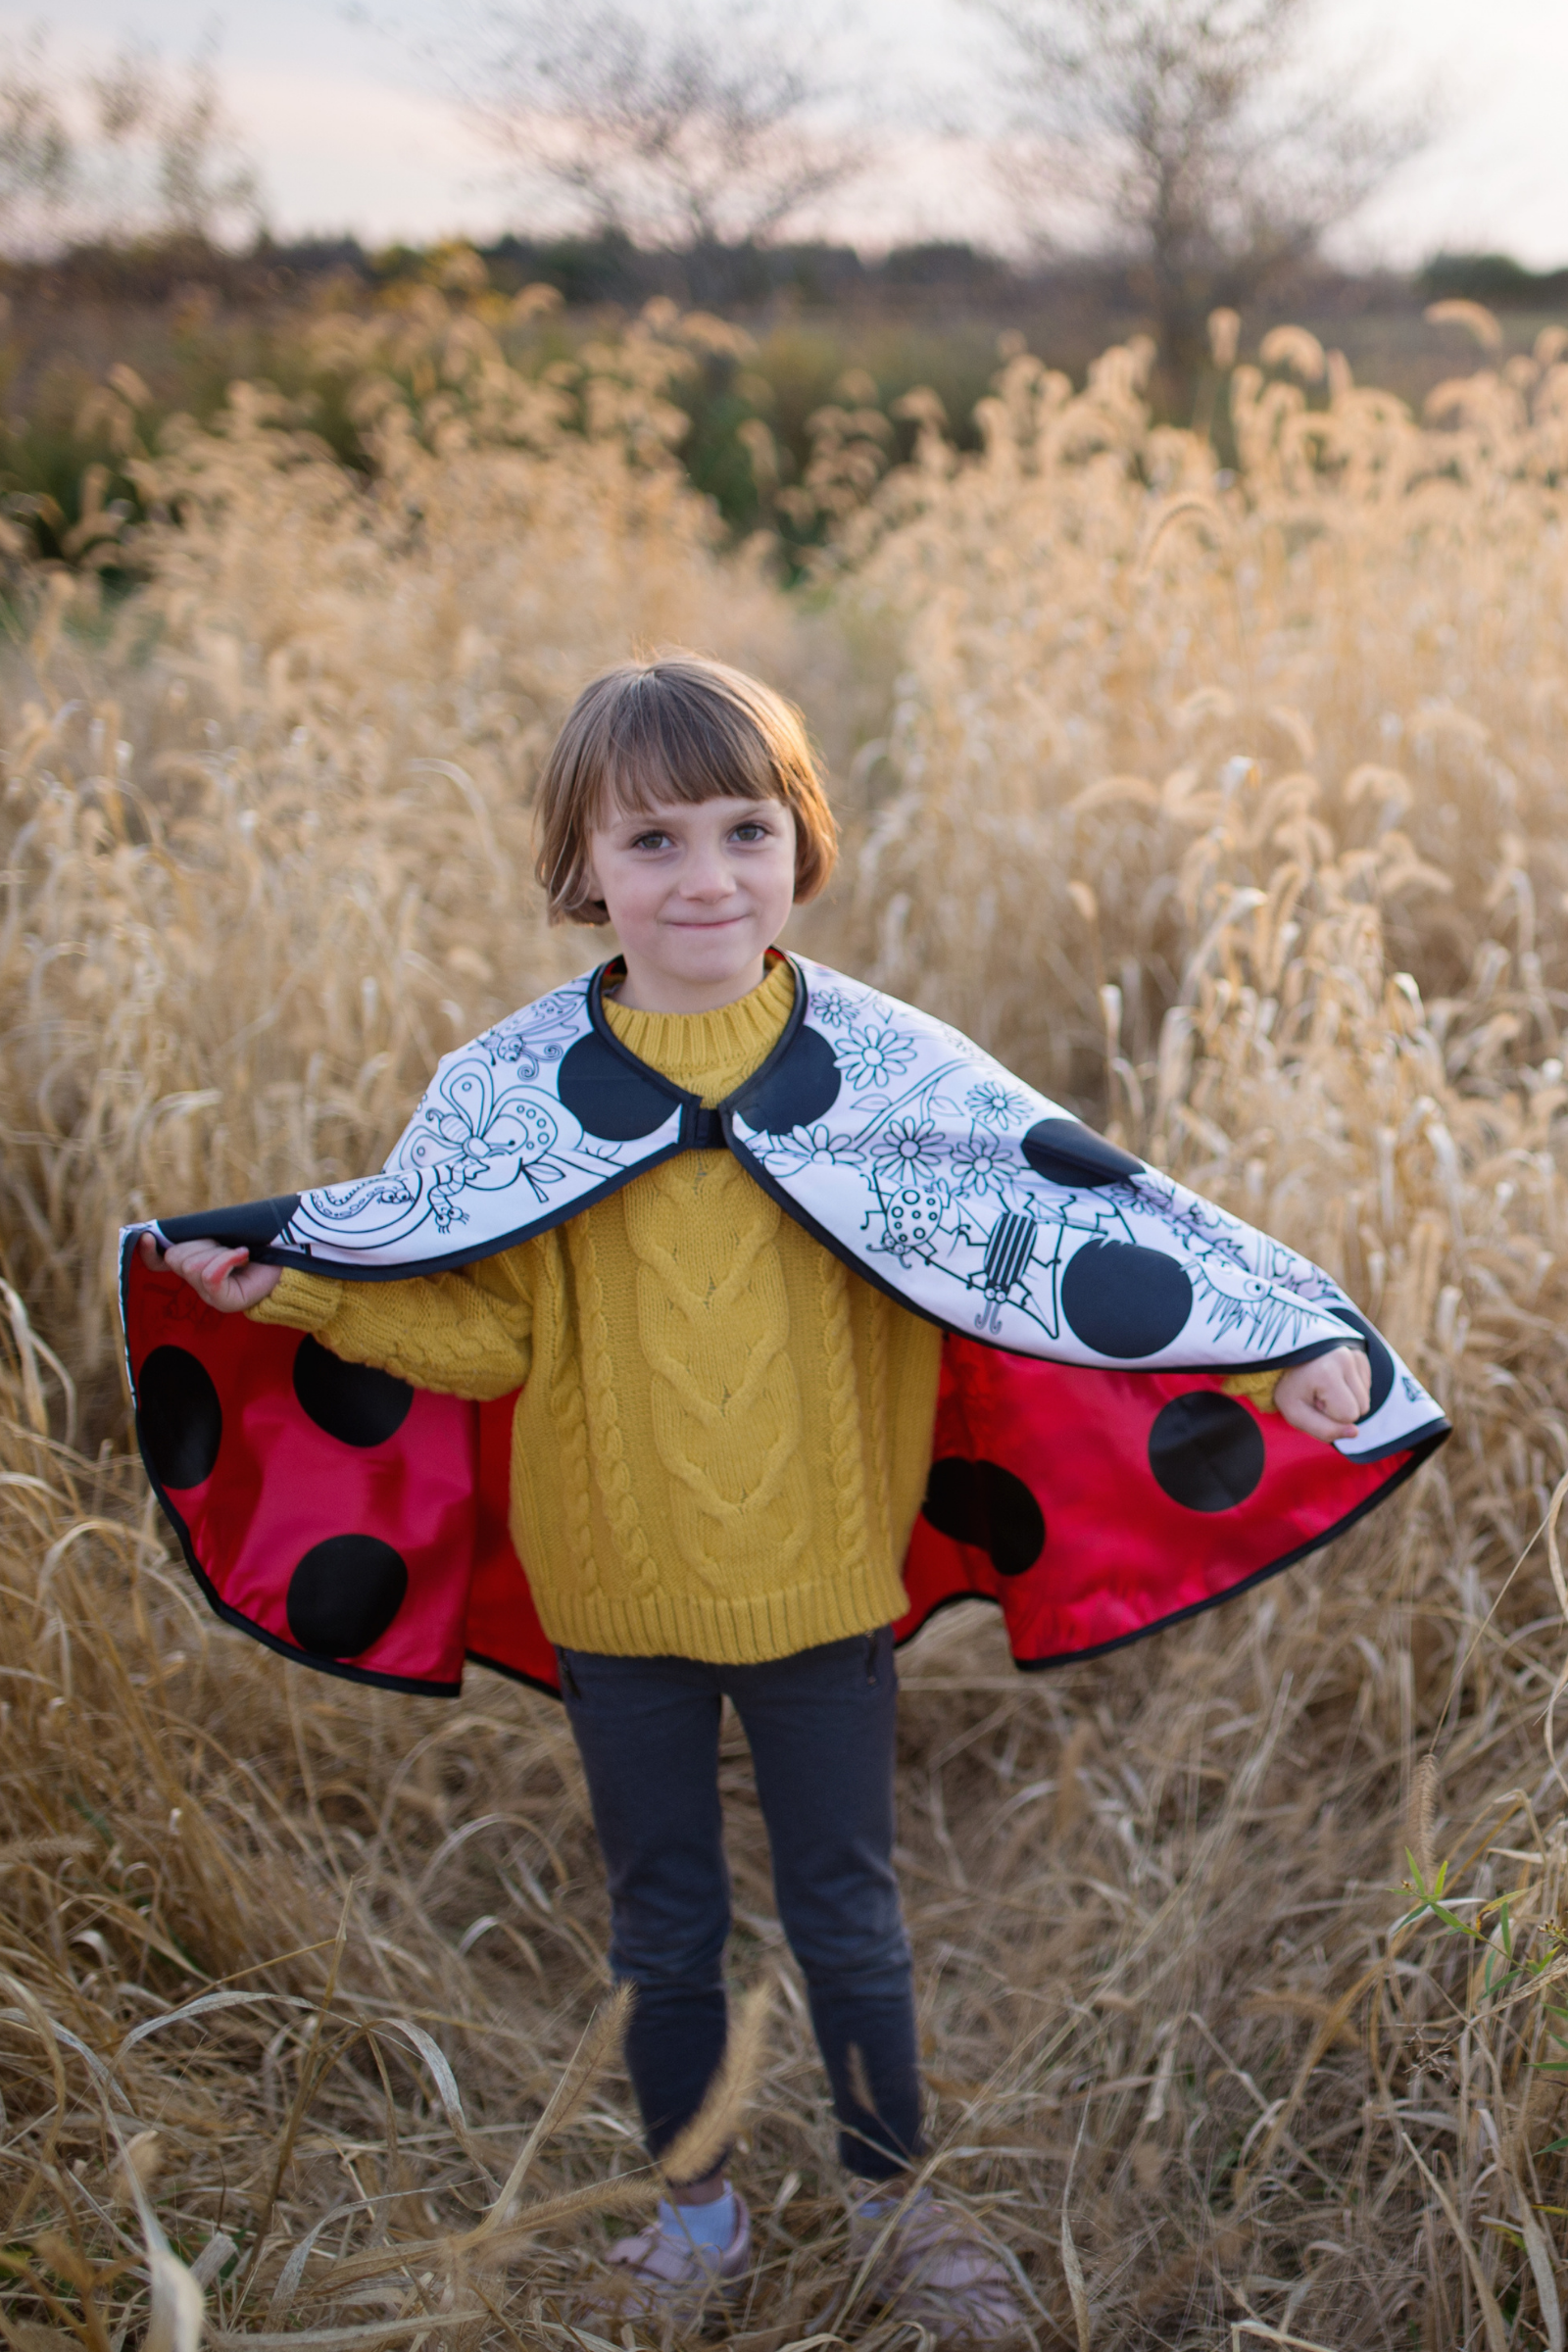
x=1089, y=1474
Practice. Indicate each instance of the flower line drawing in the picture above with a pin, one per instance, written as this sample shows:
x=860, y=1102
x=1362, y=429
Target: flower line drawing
x=874, y=1056
x=909, y=1143
x=815, y=1146
x=982, y=1163
x=995, y=1105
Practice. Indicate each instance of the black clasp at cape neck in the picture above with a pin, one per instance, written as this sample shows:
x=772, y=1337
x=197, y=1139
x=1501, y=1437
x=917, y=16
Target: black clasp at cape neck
x=707, y=1132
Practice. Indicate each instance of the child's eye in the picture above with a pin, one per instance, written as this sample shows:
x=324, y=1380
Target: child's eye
x=651, y=840
x=753, y=829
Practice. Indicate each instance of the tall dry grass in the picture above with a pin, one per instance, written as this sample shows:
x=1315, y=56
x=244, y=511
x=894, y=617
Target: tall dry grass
x=1228, y=801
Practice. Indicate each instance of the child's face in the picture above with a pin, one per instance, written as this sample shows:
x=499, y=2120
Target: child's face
x=697, y=893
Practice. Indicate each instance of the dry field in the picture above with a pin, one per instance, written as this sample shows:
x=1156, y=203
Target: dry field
x=1232, y=805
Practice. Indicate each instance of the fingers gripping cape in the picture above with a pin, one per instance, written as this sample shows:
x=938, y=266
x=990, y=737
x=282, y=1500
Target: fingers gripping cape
x=1089, y=1474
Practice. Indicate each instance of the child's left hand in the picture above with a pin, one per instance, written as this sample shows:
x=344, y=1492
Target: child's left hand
x=1326, y=1397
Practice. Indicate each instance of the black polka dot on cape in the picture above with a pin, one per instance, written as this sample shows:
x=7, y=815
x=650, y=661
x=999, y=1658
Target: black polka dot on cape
x=981, y=1503
x=1124, y=1301
x=180, y=1417
x=1207, y=1450
x=355, y=1403
x=802, y=1085
x=607, y=1093
x=343, y=1594
x=1068, y=1152
x=248, y=1225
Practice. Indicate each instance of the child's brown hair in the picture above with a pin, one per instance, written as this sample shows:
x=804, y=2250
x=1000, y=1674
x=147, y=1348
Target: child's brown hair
x=676, y=729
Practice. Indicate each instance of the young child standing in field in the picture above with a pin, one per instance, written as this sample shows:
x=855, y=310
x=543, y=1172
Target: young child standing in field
x=726, y=1393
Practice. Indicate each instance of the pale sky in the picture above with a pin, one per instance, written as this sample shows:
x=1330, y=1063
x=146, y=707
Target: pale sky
x=353, y=129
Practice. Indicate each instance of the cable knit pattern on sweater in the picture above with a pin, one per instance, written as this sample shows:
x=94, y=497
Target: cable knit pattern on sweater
x=714, y=1317
x=723, y=1432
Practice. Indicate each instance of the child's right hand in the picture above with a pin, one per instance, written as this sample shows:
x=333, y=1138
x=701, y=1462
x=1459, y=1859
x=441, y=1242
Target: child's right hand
x=222, y=1276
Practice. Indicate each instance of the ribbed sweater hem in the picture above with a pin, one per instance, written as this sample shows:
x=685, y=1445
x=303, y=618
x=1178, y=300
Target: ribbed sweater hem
x=723, y=1631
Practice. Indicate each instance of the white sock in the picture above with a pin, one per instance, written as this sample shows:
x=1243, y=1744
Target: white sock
x=710, y=2225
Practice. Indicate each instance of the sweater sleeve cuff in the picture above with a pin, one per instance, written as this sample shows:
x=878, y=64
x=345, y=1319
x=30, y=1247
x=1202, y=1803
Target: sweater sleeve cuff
x=1257, y=1387
x=301, y=1301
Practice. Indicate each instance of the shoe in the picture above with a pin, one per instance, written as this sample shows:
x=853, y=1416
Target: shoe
x=930, y=2263
x=665, y=2277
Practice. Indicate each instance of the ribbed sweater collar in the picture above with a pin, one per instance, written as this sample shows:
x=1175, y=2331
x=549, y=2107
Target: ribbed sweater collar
x=710, y=1054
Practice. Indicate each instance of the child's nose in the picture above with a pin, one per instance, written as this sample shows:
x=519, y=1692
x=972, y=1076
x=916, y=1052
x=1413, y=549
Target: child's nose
x=707, y=876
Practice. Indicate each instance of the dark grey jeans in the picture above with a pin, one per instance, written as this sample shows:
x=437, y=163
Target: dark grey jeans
x=820, y=1726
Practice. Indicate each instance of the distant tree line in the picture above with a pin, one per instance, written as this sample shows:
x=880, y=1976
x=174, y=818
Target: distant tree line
x=930, y=279
x=1495, y=278
x=1171, y=157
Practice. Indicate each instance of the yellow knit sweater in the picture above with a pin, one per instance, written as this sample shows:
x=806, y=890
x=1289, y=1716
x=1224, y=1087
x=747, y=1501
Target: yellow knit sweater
x=723, y=1434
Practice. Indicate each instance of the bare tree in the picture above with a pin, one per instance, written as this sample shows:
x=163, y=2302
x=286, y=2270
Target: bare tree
x=168, y=156
x=37, y=160
x=137, y=149
x=694, y=131
x=1198, y=130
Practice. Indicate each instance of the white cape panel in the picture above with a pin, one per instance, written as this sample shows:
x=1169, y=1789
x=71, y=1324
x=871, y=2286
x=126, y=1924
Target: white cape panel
x=920, y=1161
